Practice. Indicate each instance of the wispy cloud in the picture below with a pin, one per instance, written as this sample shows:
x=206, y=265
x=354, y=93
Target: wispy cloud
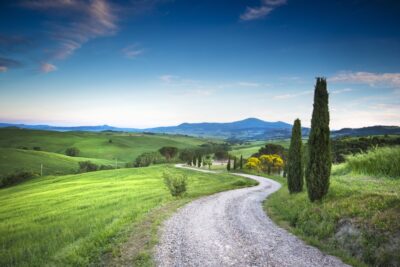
x=370, y=78
x=47, y=67
x=132, y=51
x=292, y=95
x=167, y=78
x=248, y=84
x=86, y=20
x=7, y=63
x=266, y=7
x=341, y=91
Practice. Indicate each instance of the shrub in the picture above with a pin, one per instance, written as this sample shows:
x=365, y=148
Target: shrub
x=16, y=178
x=106, y=167
x=253, y=163
x=72, y=152
x=176, y=184
x=87, y=166
x=148, y=158
x=37, y=148
x=168, y=152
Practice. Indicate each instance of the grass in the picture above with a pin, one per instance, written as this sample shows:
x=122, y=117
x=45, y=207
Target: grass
x=124, y=146
x=14, y=160
x=366, y=206
x=75, y=219
x=384, y=162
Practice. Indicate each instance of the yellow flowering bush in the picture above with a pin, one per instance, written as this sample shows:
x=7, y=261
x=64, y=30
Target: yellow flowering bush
x=253, y=163
x=266, y=163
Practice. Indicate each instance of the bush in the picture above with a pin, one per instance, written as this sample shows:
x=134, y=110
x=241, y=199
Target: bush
x=72, y=152
x=148, y=158
x=37, y=148
x=175, y=184
x=16, y=178
x=87, y=166
x=106, y=167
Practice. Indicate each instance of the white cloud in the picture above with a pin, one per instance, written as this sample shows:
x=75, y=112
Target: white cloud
x=47, y=67
x=292, y=95
x=86, y=21
x=370, y=78
x=267, y=6
x=132, y=51
x=168, y=78
x=340, y=91
x=248, y=84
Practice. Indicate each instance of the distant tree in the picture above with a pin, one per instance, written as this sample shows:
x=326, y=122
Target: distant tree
x=168, y=152
x=87, y=166
x=72, y=152
x=295, y=165
x=110, y=141
x=319, y=151
x=234, y=163
x=228, y=165
x=221, y=154
x=199, y=161
x=241, y=162
x=208, y=161
x=148, y=158
x=194, y=161
x=37, y=148
x=186, y=155
x=271, y=149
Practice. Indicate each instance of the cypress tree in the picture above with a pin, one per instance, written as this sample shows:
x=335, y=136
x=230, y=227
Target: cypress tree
x=194, y=161
x=228, y=166
x=319, y=151
x=199, y=161
x=294, y=165
x=241, y=162
x=234, y=163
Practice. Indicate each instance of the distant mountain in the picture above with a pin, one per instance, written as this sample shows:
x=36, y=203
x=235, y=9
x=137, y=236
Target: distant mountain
x=371, y=130
x=248, y=129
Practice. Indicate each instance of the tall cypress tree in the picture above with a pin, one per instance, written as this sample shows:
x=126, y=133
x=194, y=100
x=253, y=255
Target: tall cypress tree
x=241, y=162
x=199, y=161
x=234, y=163
x=228, y=165
x=294, y=165
x=319, y=148
x=194, y=161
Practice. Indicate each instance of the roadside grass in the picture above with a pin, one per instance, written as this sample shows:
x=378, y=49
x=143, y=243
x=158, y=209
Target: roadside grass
x=15, y=160
x=124, y=146
x=357, y=221
x=77, y=219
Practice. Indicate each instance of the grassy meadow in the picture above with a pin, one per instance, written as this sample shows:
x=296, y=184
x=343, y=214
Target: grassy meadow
x=74, y=219
x=14, y=160
x=124, y=146
x=359, y=218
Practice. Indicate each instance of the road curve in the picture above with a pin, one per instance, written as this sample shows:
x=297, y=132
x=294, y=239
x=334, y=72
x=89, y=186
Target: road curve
x=231, y=229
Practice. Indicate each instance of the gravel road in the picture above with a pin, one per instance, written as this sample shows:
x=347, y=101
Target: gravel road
x=231, y=229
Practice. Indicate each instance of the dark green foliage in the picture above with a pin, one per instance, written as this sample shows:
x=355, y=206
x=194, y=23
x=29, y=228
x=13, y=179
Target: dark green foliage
x=87, y=166
x=234, y=163
x=148, y=158
x=16, y=178
x=319, y=159
x=271, y=149
x=351, y=145
x=37, y=148
x=199, y=161
x=110, y=141
x=241, y=162
x=106, y=167
x=194, y=161
x=72, y=152
x=295, y=171
x=221, y=154
x=186, y=155
x=228, y=165
x=168, y=152
x=175, y=183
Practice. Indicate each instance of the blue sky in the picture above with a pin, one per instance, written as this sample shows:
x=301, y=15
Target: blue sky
x=144, y=63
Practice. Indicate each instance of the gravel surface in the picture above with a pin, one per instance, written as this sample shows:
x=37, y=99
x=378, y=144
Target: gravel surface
x=231, y=229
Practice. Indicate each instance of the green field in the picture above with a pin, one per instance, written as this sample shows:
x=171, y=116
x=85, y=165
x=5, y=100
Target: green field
x=359, y=218
x=73, y=219
x=124, y=146
x=15, y=160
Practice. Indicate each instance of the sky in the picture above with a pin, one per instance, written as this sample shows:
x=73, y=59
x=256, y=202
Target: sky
x=146, y=63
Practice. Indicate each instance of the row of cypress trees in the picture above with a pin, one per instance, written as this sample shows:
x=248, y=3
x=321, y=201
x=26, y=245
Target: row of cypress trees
x=318, y=167
x=236, y=164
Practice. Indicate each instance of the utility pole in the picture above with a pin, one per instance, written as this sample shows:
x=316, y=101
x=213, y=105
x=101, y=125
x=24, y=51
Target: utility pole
x=41, y=169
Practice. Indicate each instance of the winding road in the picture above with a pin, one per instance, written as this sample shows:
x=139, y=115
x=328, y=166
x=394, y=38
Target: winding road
x=231, y=229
